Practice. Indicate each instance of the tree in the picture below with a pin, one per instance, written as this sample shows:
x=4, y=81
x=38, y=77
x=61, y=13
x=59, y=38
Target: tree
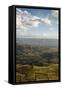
x=47, y=56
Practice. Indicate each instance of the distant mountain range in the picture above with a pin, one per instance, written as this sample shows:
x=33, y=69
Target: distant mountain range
x=40, y=42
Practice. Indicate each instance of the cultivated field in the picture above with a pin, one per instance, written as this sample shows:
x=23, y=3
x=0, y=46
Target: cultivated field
x=25, y=73
x=35, y=63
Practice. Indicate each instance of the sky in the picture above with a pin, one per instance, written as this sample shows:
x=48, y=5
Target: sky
x=36, y=23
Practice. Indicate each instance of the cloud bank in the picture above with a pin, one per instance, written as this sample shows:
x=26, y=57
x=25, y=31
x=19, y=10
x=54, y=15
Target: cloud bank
x=26, y=24
x=25, y=20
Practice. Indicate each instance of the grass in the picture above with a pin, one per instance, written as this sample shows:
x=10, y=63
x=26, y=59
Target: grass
x=25, y=73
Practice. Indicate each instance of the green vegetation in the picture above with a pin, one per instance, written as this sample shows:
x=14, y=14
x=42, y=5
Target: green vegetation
x=35, y=63
x=25, y=73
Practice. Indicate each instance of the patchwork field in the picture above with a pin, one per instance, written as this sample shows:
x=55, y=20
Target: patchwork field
x=25, y=73
x=36, y=63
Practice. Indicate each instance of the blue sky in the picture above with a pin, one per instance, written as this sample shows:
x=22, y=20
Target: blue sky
x=36, y=23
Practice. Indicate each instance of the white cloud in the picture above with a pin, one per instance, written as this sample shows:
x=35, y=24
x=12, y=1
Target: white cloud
x=37, y=34
x=46, y=20
x=54, y=17
x=55, y=13
x=25, y=20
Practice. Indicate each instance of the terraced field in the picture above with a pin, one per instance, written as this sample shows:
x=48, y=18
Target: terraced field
x=35, y=73
x=36, y=63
